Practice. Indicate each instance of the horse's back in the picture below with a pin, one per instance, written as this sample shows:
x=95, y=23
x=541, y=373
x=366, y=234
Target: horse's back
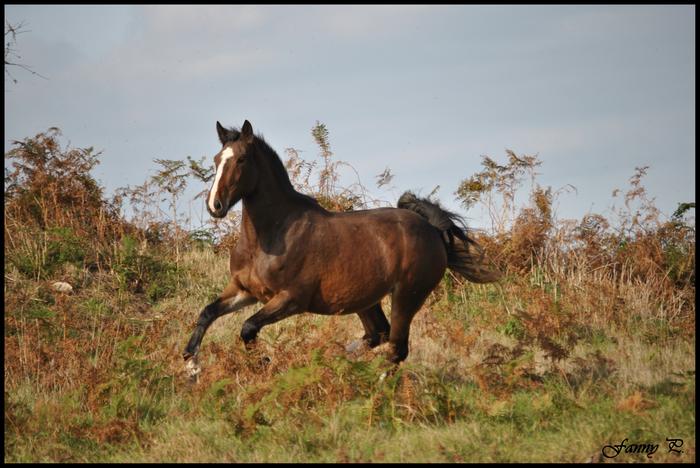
x=403, y=232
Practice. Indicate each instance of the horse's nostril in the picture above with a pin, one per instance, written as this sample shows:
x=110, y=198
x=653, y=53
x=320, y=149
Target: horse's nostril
x=217, y=205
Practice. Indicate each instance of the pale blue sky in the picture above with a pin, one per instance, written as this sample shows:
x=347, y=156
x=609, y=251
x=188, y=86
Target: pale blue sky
x=424, y=90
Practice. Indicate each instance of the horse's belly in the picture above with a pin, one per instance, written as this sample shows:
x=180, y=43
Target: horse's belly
x=340, y=294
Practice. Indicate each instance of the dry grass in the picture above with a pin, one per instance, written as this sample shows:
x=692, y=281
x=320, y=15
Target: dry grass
x=588, y=338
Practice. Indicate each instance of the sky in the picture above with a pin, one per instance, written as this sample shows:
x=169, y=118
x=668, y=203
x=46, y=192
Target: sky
x=425, y=90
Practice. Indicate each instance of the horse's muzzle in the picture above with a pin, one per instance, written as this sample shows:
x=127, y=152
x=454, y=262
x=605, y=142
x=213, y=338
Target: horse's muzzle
x=219, y=210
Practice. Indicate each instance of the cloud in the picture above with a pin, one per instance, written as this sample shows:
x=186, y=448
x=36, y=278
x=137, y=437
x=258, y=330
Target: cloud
x=601, y=24
x=170, y=21
x=180, y=44
x=369, y=21
x=172, y=48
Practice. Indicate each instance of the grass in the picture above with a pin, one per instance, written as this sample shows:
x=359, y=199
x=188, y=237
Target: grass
x=464, y=395
x=565, y=355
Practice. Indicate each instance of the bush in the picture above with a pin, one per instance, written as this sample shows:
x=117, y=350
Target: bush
x=142, y=273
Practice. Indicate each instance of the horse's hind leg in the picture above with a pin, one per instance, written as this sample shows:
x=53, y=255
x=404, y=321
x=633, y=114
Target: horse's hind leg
x=376, y=325
x=376, y=328
x=405, y=302
x=230, y=300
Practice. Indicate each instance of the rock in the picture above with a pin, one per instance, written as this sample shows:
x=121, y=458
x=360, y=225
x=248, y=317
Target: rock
x=60, y=286
x=356, y=346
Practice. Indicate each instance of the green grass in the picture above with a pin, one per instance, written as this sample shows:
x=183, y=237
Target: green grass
x=588, y=340
x=290, y=418
x=478, y=385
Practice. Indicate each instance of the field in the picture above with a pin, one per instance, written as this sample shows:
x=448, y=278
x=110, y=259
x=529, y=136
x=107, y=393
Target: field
x=588, y=341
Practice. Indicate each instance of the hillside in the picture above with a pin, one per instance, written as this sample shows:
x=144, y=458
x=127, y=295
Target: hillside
x=587, y=341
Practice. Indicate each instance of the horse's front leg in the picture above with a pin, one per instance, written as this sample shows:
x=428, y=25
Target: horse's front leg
x=230, y=300
x=279, y=307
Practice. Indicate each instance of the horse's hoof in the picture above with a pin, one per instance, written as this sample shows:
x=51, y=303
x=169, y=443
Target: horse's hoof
x=193, y=369
x=249, y=331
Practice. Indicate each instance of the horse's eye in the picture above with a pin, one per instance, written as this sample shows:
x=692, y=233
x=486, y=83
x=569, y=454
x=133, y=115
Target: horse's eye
x=242, y=159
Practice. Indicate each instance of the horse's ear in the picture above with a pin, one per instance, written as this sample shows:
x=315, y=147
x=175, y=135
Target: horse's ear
x=247, y=132
x=223, y=133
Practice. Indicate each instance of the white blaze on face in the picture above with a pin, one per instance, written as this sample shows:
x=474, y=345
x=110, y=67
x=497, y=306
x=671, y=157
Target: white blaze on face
x=226, y=154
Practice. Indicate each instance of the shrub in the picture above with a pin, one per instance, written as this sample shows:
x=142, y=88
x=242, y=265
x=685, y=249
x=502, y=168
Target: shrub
x=143, y=273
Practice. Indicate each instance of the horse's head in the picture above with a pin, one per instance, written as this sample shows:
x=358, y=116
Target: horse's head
x=236, y=172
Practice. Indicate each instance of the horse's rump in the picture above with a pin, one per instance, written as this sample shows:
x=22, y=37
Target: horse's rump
x=464, y=255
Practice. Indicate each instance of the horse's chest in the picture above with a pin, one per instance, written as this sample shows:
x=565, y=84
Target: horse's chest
x=267, y=276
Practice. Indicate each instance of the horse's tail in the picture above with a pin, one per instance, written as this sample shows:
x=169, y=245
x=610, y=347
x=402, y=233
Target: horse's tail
x=464, y=255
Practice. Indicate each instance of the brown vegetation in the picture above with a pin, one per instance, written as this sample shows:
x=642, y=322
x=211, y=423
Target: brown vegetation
x=592, y=313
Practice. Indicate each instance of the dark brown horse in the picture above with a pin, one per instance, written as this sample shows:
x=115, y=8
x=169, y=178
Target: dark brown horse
x=294, y=256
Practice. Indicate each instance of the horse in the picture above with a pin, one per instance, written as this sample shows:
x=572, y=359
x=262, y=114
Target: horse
x=294, y=256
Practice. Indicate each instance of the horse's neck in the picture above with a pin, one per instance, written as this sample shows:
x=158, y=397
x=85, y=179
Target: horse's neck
x=265, y=210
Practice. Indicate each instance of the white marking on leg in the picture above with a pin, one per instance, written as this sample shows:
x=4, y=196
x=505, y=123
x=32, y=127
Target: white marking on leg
x=226, y=154
x=193, y=369
x=240, y=300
